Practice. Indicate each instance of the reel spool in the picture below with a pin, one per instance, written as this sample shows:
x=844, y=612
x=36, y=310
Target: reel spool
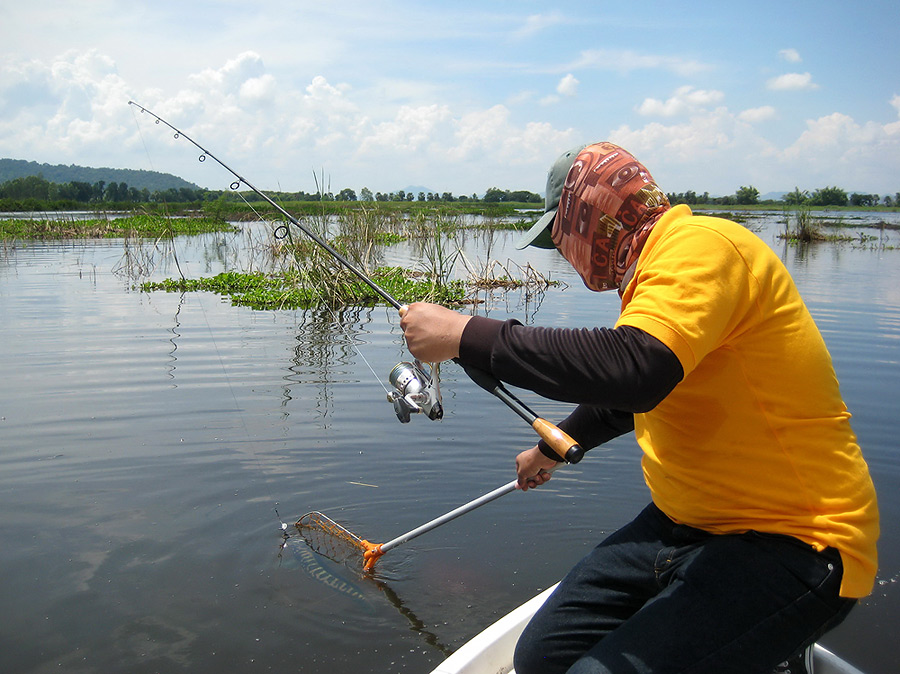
x=415, y=391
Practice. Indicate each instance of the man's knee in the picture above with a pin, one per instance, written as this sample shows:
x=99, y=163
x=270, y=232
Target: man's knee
x=531, y=654
x=525, y=658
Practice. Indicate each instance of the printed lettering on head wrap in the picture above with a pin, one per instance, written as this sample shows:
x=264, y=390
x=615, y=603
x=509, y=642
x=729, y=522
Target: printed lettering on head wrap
x=608, y=206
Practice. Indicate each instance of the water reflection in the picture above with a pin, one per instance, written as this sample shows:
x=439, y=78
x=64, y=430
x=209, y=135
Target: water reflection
x=314, y=563
x=174, y=338
x=328, y=345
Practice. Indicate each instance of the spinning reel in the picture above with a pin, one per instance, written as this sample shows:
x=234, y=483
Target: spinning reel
x=416, y=390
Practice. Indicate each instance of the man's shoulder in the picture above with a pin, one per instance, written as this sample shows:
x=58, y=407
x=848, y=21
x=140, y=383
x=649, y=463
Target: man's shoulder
x=706, y=233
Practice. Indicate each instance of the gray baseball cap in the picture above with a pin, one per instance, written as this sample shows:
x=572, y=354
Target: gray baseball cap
x=539, y=234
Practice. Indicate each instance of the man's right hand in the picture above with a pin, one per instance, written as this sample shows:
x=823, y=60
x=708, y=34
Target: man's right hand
x=533, y=468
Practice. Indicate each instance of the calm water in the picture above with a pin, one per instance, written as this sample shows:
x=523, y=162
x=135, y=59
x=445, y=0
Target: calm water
x=146, y=441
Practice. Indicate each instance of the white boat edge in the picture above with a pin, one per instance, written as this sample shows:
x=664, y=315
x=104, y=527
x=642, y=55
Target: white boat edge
x=491, y=651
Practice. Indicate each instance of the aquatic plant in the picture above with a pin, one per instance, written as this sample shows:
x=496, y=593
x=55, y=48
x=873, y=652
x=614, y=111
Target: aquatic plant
x=146, y=225
x=805, y=227
x=289, y=271
x=291, y=290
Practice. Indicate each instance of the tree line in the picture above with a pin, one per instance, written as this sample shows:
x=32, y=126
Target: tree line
x=61, y=173
x=36, y=189
x=32, y=191
x=748, y=195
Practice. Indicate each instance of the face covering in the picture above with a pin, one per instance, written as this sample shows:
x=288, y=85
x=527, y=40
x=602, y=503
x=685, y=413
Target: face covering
x=607, y=210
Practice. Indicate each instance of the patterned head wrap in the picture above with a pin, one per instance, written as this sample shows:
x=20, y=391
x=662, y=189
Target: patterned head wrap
x=608, y=207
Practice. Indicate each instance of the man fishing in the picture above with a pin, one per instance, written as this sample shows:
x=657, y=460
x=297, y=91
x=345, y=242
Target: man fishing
x=761, y=534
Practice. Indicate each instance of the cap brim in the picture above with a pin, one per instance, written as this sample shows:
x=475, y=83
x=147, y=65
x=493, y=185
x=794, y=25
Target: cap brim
x=539, y=234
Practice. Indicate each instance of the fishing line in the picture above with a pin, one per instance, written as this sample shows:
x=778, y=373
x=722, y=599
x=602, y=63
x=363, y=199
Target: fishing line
x=141, y=136
x=235, y=188
x=237, y=408
x=324, y=302
x=282, y=524
x=334, y=317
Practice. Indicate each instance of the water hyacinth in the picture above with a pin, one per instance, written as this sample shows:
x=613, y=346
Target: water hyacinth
x=294, y=290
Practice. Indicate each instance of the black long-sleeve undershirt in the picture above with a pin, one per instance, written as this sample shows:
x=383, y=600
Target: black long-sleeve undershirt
x=610, y=373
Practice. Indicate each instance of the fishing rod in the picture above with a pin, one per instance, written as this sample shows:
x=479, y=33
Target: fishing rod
x=416, y=389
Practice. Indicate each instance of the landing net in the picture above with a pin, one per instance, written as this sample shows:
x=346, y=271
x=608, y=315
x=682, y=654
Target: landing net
x=329, y=538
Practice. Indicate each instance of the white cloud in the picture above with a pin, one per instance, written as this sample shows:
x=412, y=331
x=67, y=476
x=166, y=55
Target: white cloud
x=528, y=146
x=719, y=151
x=537, y=23
x=790, y=55
x=626, y=61
x=792, y=82
x=478, y=131
x=328, y=105
x=568, y=86
x=320, y=90
x=74, y=100
x=895, y=101
x=410, y=130
x=257, y=89
x=497, y=143
x=756, y=115
x=836, y=131
x=701, y=135
x=241, y=78
x=839, y=150
x=686, y=99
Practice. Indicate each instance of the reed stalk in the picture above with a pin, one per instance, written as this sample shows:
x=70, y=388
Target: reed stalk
x=801, y=226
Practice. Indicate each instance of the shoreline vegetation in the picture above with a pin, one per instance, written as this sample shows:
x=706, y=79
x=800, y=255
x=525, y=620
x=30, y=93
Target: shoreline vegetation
x=803, y=222
x=248, y=209
x=289, y=271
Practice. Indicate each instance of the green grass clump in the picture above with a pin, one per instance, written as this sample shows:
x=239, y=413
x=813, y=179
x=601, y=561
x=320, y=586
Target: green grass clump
x=143, y=225
x=288, y=290
x=801, y=226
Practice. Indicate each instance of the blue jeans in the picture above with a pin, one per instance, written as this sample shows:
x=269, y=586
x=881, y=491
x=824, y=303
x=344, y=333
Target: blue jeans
x=661, y=597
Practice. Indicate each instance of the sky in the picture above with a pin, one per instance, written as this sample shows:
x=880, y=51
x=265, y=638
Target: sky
x=458, y=96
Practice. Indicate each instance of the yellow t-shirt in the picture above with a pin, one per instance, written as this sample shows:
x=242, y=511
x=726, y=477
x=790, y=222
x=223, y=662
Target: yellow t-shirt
x=756, y=436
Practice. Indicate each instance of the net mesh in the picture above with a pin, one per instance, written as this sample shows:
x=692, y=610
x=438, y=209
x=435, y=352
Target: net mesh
x=330, y=539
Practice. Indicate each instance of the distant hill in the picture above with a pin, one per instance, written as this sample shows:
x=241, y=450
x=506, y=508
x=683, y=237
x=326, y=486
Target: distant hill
x=11, y=169
x=772, y=196
x=415, y=189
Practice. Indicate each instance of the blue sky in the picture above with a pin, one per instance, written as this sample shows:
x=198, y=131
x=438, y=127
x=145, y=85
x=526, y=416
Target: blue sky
x=459, y=96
